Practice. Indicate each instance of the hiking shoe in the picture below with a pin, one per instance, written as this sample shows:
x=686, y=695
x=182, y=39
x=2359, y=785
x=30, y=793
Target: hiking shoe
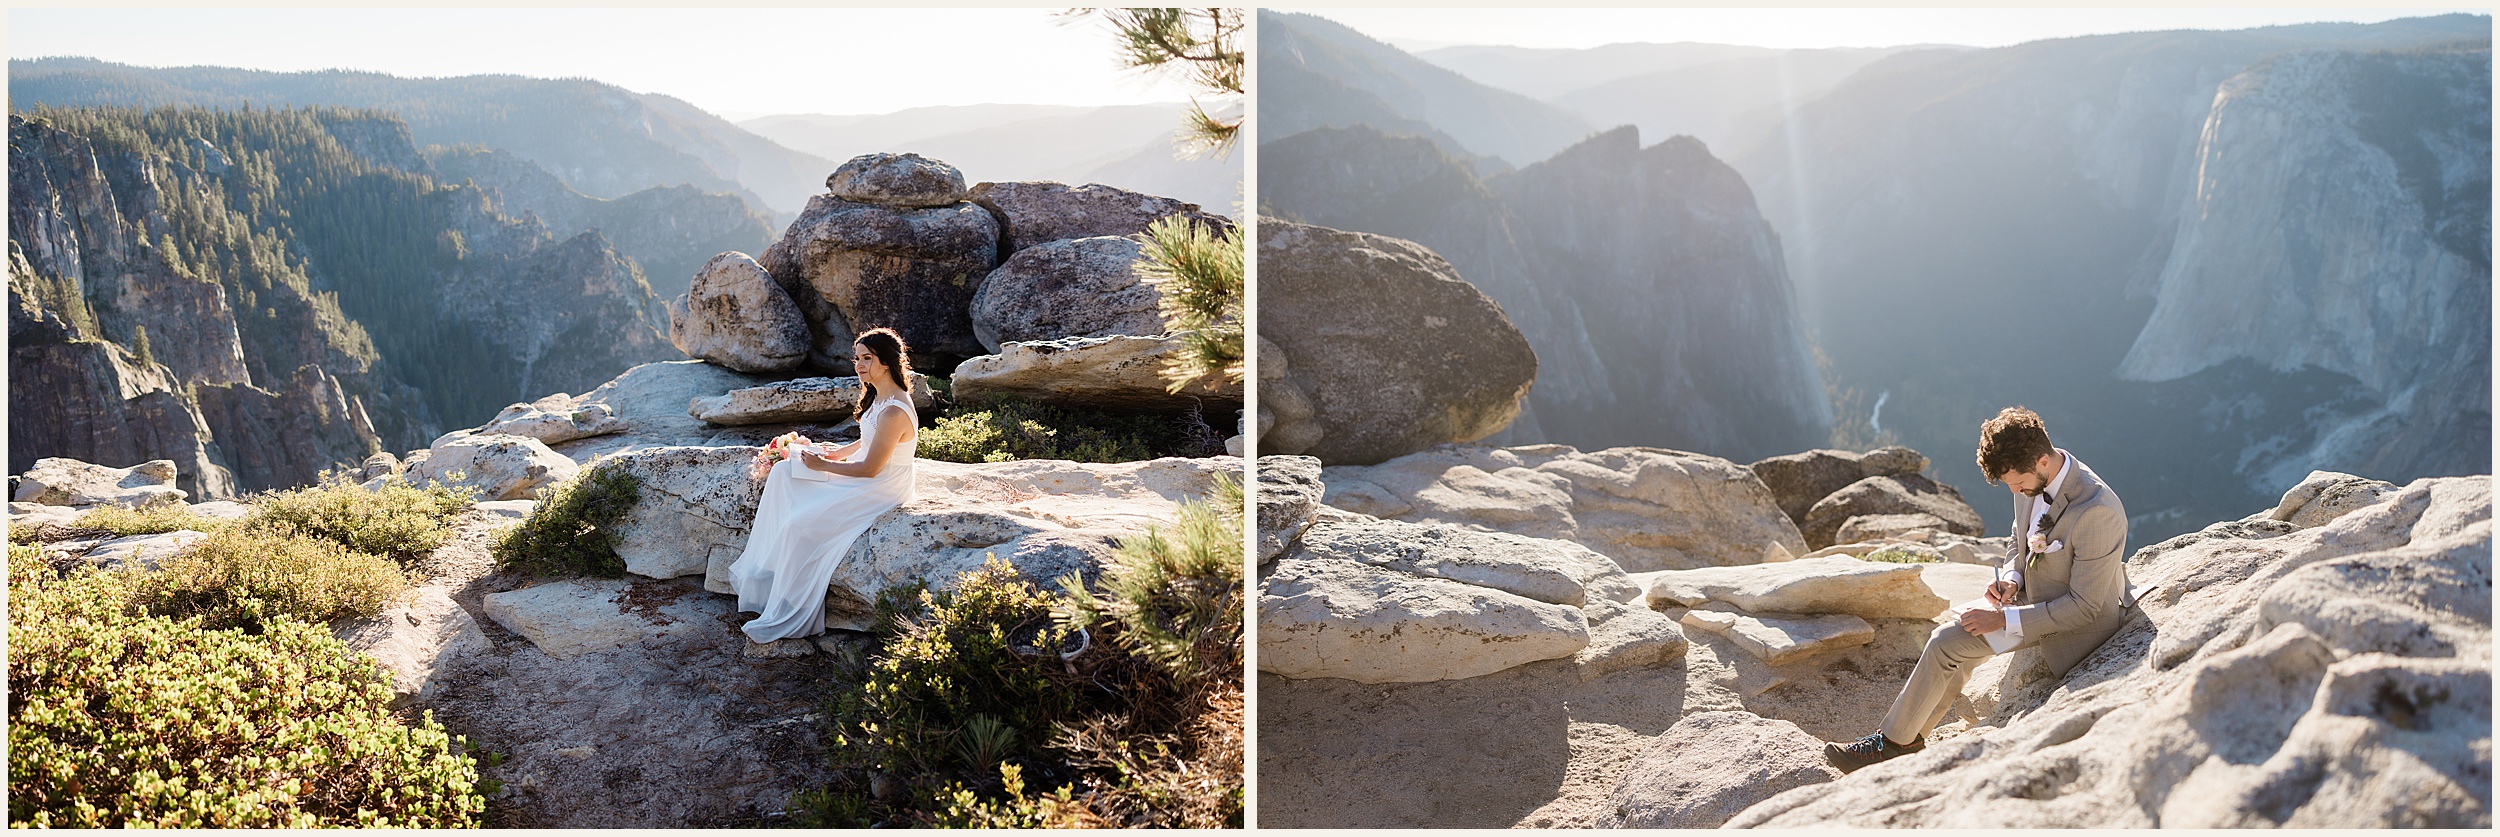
x=1869, y=750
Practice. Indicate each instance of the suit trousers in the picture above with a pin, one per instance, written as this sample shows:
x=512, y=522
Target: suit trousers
x=1945, y=664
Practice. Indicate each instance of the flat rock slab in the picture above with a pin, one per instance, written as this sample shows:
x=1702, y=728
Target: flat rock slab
x=144, y=551
x=1867, y=589
x=1711, y=765
x=1550, y=571
x=1325, y=617
x=60, y=481
x=570, y=618
x=1119, y=372
x=1781, y=638
x=803, y=399
x=416, y=640
x=1626, y=636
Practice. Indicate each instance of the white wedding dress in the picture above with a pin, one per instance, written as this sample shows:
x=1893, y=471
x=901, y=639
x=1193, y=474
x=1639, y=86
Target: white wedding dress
x=803, y=526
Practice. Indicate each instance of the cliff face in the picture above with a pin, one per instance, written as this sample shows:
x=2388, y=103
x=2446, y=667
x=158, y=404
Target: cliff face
x=1975, y=229
x=71, y=394
x=1661, y=257
x=304, y=301
x=101, y=236
x=669, y=230
x=1649, y=287
x=2341, y=220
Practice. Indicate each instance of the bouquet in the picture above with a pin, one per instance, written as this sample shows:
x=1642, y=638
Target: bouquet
x=781, y=447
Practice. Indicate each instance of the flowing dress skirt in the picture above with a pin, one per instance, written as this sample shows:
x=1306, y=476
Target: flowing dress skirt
x=802, y=528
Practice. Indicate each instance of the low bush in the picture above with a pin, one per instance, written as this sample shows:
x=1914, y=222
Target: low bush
x=400, y=520
x=571, y=532
x=973, y=718
x=121, y=718
x=1900, y=555
x=1017, y=430
x=243, y=577
x=117, y=522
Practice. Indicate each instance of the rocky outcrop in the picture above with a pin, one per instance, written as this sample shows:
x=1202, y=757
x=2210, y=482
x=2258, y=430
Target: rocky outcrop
x=552, y=420
x=1083, y=287
x=1033, y=213
x=802, y=399
x=1867, y=589
x=1353, y=392
x=1799, y=480
x=735, y=315
x=1116, y=373
x=2274, y=675
x=1379, y=601
x=69, y=482
x=1644, y=508
x=1885, y=496
x=416, y=640
x=1712, y=765
x=1345, y=619
x=1289, y=491
x=574, y=617
x=1780, y=638
x=650, y=402
x=855, y=266
x=498, y=467
x=905, y=181
x=1049, y=518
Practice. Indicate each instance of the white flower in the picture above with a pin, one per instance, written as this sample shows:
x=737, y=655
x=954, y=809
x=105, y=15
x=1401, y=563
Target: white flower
x=2040, y=544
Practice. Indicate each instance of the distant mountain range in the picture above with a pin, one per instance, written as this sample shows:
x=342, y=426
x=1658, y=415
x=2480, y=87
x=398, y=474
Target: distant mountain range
x=1316, y=73
x=601, y=139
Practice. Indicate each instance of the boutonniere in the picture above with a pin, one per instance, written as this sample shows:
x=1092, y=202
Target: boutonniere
x=2040, y=543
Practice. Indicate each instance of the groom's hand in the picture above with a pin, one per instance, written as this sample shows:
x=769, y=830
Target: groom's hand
x=2001, y=592
x=1981, y=621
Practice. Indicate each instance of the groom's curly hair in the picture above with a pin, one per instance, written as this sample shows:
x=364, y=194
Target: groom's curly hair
x=2012, y=441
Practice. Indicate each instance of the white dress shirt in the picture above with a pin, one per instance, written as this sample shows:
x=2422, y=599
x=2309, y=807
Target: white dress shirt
x=2039, y=510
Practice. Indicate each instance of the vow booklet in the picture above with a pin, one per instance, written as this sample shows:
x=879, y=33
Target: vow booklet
x=801, y=470
x=1998, y=640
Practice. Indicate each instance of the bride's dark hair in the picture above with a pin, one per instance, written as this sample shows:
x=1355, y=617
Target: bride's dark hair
x=890, y=351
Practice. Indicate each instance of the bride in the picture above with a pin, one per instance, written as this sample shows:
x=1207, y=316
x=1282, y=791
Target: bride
x=814, y=505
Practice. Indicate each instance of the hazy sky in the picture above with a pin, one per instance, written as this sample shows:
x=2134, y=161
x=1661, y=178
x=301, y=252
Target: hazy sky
x=735, y=62
x=1416, y=29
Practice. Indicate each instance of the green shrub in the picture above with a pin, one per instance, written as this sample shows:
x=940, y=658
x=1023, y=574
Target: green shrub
x=952, y=667
x=122, y=718
x=571, y=532
x=1900, y=555
x=118, y=522
x=1176, y=599
x=1201, y=274
x=1144, y=728
x=1017, y=430
x=245, y=577
x=154, y=520
x=401, y=521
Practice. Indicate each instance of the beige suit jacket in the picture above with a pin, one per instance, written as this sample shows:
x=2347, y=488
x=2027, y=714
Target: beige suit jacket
x=2073, y=597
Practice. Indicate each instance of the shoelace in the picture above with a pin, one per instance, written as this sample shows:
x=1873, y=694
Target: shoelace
x=1870, y=744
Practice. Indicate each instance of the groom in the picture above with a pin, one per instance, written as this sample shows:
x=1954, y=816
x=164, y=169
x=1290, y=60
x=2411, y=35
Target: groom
x=2063, y=590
